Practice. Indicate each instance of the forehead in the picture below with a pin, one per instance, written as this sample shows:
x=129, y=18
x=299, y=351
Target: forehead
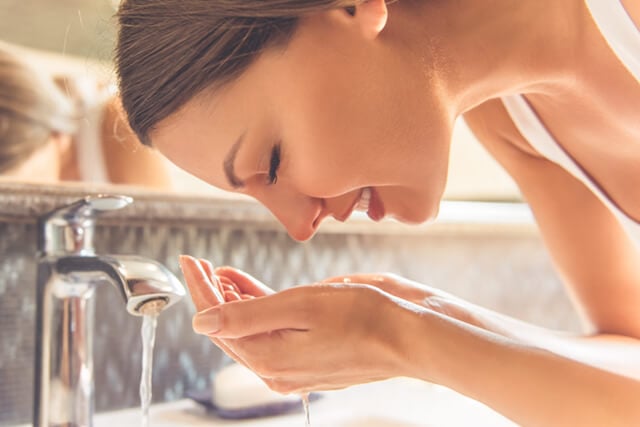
x=222, y=104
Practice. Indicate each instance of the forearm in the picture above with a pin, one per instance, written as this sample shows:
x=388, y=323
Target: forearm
x=615, y=353
x=531, y=386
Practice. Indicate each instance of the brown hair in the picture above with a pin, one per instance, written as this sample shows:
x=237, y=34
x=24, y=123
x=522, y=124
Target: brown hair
x=170, y=50
x=31, y=109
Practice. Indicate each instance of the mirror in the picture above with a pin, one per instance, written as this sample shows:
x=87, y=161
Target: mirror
x=75, y=38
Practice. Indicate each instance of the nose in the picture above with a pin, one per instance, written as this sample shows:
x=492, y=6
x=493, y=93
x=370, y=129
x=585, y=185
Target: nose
x=298, y=213
x=301, y=219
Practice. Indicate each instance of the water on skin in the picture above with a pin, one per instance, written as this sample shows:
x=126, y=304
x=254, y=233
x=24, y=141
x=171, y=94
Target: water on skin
x=305, y=405
x=149, y=323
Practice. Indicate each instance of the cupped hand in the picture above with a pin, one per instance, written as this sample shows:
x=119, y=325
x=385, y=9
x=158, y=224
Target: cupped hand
x=315, y=337
x=209, y=289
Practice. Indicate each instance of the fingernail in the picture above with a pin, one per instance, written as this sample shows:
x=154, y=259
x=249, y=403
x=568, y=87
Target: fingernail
x=207, y=322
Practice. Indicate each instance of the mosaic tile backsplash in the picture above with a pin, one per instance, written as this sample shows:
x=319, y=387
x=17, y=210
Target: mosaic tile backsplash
x=509, y=273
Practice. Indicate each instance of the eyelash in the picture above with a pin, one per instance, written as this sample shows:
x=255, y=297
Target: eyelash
x=274, y=165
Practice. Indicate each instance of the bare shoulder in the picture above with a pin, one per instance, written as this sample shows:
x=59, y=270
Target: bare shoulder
x=493, y=127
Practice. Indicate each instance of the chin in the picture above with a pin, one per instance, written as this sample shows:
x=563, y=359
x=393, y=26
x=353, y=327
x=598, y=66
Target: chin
x=415, y=217
x=426, y=212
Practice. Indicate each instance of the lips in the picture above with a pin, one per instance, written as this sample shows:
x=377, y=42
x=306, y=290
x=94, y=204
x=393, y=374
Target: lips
x=376, y=207
x=369, y=202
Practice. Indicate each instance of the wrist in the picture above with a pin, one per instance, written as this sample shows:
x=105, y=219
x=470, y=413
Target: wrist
x=419, y=346
x=409, y=343
x=434, y=347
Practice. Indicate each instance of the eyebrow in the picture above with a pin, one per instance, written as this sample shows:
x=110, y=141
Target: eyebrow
x=228, y=164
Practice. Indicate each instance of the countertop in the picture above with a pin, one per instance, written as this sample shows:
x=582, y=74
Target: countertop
x=24, y=203
x=400, y=402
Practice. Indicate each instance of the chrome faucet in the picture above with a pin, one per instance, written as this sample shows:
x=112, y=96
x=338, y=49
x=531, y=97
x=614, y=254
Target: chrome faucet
x=68, y=272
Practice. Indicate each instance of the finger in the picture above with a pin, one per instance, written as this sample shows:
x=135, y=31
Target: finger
x=231, y=296
x=208, y=269
x=230, y=288
x=226, y=283
x=353, y=278
x=245, y=282
x=203, y=293
x=285, y=310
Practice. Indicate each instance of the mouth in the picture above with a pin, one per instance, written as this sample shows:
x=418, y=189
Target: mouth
x=363, y=202
x=368, y=202
x=375, y=208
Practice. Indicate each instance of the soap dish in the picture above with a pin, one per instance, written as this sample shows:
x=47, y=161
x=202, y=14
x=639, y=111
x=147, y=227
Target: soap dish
x=203, y=397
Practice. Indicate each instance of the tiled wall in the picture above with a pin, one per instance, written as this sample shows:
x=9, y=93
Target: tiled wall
x=510, y=273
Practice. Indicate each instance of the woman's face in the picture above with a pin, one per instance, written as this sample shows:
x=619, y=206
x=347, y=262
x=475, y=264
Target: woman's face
x=310, y=130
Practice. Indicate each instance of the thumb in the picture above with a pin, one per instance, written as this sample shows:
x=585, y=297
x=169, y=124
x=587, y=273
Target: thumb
x=289, y=309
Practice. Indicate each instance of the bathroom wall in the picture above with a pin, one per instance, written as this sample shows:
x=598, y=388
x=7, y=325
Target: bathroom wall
x=499, y=265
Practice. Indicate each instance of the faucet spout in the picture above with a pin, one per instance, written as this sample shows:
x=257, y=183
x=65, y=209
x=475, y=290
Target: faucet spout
x=140, y=281
x=68, y=273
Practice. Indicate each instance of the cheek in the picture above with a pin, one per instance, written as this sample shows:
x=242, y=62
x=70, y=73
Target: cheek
x=318, y=144
x=332, y=136
x=345, y=133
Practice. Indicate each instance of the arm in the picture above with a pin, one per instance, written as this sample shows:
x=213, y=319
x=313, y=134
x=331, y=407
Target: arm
x=289, y=339
x=596, y=259
x=532, y=387
x=615, y=353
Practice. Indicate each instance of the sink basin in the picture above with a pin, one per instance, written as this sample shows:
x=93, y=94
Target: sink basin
x=399, y=402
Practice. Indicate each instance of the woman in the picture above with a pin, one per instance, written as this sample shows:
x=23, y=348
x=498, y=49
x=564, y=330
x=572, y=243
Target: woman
x=317, y=108
x=67, y=128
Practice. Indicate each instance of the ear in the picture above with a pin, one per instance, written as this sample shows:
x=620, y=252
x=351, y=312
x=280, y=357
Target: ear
x=371, y=16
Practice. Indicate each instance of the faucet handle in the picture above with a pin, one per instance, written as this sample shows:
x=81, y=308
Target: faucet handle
x=68, y=230
x=88, y=207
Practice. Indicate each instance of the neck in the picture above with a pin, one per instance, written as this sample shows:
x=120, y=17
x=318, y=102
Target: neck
x=479, y=50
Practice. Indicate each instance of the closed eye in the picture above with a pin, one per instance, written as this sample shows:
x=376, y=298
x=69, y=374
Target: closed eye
x=274, y=165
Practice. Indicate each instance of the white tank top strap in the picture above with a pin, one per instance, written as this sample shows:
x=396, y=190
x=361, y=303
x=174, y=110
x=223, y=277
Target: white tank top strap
x=534, y=131
x=623, y=37
x=619, y=30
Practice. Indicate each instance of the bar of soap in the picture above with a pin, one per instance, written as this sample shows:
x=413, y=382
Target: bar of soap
x=237, y=392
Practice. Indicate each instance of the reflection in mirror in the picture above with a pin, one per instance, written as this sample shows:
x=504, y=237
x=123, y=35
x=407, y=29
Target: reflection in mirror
x=64, y=127
x=60, y=118
x=70, y=43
